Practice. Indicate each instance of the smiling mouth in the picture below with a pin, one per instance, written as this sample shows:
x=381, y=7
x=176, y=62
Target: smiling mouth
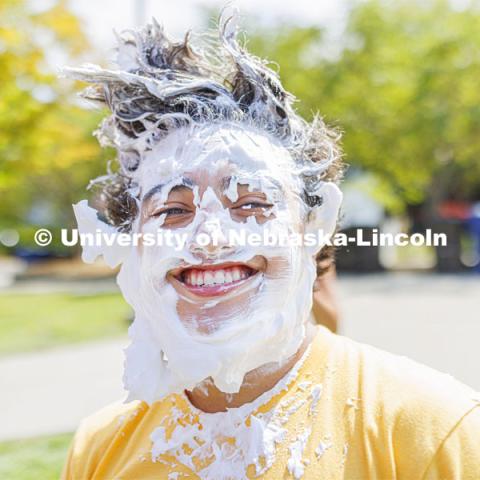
x=214, y=280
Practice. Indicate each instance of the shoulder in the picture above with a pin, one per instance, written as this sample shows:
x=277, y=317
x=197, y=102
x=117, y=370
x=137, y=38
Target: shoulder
x=404, y=404
x=105, y=423
x=94, y=436
x=404, y=385
x=385, y=379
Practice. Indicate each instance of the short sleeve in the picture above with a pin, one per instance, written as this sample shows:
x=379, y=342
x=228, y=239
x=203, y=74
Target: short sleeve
x=92, y=439
x=67, y=472
x=458, y=457
x=82, y=456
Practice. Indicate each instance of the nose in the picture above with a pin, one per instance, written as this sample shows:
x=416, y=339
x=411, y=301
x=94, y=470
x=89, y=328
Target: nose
x=210, y=242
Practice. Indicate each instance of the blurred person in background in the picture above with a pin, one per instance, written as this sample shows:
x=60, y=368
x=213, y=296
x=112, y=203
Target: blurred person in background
x=325, y=306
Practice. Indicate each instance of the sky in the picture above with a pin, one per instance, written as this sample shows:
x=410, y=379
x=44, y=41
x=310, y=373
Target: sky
x=100, y=18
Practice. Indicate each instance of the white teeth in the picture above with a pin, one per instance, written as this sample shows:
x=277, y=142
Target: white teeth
x=208, y=278
x=236, y=274
x=219, y=277
x=215, y=277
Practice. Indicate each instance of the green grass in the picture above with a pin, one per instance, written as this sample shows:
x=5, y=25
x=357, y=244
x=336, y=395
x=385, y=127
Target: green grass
x=30, y=322
x=35, y=458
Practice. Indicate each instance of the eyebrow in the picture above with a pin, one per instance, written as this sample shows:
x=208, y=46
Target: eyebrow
x=186, y=183
x=276, y=183
x=226, y=182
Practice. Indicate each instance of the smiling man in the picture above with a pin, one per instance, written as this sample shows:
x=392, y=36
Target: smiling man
x=226, y=375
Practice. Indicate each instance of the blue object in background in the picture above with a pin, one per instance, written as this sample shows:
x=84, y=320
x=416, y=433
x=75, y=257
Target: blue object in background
x=473, y=223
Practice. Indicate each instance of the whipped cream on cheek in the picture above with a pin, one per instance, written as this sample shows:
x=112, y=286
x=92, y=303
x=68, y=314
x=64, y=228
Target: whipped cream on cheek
x=220, y=322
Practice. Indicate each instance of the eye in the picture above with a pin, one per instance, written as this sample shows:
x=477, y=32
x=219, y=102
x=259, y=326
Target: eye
x=253, y=205
x=175, y=211
x=171, y=212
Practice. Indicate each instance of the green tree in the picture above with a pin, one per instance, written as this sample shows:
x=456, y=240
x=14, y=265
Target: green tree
x=402, y=85
x=47, y=152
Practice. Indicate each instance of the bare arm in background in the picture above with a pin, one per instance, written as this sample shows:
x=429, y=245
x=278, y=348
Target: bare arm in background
x=325, y=307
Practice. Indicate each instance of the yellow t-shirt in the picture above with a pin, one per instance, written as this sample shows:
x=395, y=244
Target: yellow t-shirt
x=351, y=412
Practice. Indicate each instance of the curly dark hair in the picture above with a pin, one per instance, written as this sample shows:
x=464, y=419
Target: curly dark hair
x=162, y=85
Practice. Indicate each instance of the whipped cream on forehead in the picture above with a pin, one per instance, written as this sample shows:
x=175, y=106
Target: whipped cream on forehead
x=255, y=156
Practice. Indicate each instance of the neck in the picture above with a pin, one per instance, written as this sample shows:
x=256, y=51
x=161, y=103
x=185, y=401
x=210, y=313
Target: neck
x=208, y=398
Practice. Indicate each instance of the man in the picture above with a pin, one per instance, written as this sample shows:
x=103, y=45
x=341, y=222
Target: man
x=227, y=378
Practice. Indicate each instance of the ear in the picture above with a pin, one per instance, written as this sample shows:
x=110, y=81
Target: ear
x=322, y=219
x=88, y=223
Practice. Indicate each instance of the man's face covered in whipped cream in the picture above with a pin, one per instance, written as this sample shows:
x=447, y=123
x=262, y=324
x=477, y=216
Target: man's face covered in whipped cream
x=210, y=307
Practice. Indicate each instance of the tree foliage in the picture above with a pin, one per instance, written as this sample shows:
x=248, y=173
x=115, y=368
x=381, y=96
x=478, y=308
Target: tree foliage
x=47, y=153
x=402, y=85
